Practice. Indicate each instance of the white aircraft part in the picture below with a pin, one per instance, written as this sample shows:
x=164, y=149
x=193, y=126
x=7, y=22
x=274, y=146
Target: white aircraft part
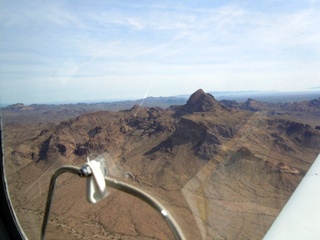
x=300, y=217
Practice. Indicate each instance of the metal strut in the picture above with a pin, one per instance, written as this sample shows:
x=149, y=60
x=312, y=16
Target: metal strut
x=121, y=186
x=69, y=169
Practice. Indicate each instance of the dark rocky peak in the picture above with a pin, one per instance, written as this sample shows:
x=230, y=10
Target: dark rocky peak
x=196, y=97
x=312, y=106
x=254, y=105
x=230, y=103
x=18, y=107
x=14, y=106
x=250, y=100
x=139, y=110
x=251, y=105
x=315, y=103
x=202, y=102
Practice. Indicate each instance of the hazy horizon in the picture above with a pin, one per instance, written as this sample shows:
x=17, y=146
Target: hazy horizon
x=268, y=96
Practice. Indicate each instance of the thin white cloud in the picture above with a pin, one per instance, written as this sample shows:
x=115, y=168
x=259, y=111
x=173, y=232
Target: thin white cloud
x=35, y=13
x=110, y=43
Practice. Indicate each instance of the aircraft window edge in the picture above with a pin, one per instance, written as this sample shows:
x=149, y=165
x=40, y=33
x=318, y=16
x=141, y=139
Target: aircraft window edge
x=9, y=225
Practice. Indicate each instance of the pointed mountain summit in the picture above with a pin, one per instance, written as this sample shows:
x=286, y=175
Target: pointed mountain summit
x=202, y=102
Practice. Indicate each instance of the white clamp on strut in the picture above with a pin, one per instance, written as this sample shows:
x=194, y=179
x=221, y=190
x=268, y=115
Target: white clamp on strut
x=97, y=181
x=95, y=171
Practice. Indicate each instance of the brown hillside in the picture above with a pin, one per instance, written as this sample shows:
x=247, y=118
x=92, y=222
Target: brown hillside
x=224, y=174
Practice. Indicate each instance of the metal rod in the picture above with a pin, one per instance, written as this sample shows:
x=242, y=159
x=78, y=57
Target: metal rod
x=121, y=186
x=155, y=204
x=69, y=169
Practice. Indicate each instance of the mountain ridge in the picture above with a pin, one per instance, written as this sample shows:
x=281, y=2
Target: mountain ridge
x=197, y=159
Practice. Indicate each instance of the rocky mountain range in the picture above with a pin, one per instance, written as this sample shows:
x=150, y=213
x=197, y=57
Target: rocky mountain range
x=223, y=169
x=60, y=112
x=312, y=106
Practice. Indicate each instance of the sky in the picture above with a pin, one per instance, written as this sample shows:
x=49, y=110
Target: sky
x=78, y=51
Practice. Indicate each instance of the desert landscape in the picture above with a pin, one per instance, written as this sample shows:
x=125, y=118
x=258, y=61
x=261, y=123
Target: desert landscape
x=224, y=169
